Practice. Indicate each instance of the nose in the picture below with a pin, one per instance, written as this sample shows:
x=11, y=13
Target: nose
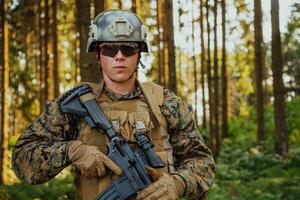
x=119, y=55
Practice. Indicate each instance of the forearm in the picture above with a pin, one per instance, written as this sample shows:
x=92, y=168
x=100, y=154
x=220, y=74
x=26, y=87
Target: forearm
x=198, y=174
x=38, y=162
x=40, y=152
x=194, y=161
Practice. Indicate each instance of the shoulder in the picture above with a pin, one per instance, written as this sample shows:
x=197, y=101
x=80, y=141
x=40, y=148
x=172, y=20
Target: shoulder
x=161, y=94
x=177, y=112
x=154, y=89
x=96, y=89
x=170, y=95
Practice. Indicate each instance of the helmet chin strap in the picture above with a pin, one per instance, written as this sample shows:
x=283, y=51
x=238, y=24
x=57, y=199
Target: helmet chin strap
x=137, y=62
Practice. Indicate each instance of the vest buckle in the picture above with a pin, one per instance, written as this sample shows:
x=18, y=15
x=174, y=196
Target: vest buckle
x=116, y=125
x=140, y=126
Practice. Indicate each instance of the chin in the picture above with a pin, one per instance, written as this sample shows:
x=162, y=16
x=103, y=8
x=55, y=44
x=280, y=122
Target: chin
x=120, y=79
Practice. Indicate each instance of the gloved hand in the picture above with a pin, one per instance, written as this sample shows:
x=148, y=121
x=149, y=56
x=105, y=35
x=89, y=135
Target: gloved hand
x=166, y=186
x=90, y=160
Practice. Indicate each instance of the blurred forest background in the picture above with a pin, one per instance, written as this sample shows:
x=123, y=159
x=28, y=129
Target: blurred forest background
x=241, y=76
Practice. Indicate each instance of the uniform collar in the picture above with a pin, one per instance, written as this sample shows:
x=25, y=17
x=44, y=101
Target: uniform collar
x=116, y=97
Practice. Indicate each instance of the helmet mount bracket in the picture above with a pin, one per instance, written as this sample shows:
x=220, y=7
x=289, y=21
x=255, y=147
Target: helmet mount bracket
x=121, y=27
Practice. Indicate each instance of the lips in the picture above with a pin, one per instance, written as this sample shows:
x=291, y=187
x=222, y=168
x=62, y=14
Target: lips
x=120, y=66
x=119, y=69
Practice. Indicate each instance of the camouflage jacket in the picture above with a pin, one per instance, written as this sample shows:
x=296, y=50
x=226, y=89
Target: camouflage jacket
x=41, y=151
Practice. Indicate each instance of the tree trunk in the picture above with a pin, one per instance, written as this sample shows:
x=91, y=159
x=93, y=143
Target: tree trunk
x=169, y=28
x=162, y=18
x=159, y=40
x=55, y=50
x=120, y=4
x=281, y=144
x=213, y=139
x=46, y=54
x=89, y=70
x=194, y=66
x=136, y=6
x=259, y=65
x=216, y=77
x=224, y=74
x=4, y=72
x=202, y=64
x=99, y=6
x=40, y=68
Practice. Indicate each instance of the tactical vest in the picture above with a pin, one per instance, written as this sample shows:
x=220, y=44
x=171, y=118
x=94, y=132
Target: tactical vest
x=126, y=116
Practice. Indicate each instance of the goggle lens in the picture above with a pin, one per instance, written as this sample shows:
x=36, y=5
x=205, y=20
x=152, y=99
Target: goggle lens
x=112, y=50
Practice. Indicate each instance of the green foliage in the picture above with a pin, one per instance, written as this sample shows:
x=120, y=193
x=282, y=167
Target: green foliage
x=247, y=171
x=291, y=48
x=58, y=189
x=254, y=173
x=293, y=120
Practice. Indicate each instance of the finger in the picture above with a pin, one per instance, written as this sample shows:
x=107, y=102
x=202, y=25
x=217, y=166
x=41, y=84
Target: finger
x=154, y=173
x=110, y=164
x=113, y=166
x=149, y=190
x=157, y=194
x=100, y=168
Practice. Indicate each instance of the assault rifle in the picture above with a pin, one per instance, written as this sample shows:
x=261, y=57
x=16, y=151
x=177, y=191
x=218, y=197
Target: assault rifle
x=132, y=161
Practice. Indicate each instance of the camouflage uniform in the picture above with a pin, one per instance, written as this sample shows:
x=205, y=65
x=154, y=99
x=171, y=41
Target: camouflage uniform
x=41, y=151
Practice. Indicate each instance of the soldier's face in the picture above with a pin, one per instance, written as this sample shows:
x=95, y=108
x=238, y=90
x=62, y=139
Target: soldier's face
x=116, y=66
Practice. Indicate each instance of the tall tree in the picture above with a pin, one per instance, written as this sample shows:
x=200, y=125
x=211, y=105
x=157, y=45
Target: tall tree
x=169, y=30
x=224, y=74
x=216, y=76
x=45, y=91
x=136, y=6
x=120, y=4
x=4, y=84
x=89, y=70
x=281, y=144
x=162, y=39
x=202, y=64
x=41, y=53
x=213, y=139
x=99, y=6
x=259, y=66
x=158, y=42
x=55, y=48
x=194, y=65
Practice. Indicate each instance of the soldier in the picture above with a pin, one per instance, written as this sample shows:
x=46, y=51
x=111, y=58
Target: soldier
x=55, y=140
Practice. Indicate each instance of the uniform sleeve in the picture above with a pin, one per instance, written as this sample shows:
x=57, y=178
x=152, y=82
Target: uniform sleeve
x=193, y=159
x=41, y=151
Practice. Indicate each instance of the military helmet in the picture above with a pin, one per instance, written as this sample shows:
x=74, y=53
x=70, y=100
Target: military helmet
x=117, y=26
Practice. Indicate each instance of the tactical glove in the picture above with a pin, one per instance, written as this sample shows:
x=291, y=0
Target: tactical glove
x=166, y=186
x=90, y=161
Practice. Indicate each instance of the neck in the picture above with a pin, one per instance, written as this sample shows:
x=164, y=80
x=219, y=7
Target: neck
x=120, y=88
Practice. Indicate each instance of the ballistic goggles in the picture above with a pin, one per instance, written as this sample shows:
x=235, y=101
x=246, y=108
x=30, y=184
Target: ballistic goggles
x=111, y=49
